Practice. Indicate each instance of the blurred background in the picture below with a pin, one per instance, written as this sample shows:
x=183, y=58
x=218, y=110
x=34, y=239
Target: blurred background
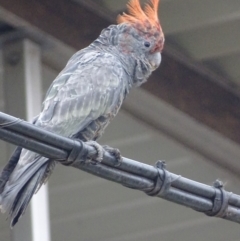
x=188, y=114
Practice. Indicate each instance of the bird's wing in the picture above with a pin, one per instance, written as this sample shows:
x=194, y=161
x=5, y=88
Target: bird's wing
x=91, y=85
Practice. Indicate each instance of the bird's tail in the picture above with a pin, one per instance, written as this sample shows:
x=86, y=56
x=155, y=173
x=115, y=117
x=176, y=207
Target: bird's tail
x=19, y=184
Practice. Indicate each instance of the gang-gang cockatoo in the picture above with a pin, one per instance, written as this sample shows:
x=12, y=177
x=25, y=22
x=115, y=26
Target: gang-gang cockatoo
x=86, y=96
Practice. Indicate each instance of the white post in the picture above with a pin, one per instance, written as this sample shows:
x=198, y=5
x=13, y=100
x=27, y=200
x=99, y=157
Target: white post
x=22, y=87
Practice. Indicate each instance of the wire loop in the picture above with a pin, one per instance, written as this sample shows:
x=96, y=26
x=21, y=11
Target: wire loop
x=10, y=123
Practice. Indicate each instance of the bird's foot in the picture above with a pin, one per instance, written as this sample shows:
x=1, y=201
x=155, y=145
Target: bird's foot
x=99, y=150
x=115, y=152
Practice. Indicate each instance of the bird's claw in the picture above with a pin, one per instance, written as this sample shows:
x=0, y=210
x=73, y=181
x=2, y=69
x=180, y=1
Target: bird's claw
x=99, y=150
x=115, y=152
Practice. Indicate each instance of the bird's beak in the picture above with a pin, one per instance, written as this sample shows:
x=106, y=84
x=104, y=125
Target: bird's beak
x=155, y=60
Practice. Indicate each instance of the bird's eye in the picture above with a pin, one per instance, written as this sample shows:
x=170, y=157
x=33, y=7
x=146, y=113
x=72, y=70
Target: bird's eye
x=147, y=44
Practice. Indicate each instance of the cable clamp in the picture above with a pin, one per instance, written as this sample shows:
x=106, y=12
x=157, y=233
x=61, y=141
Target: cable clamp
x=75, y=154
x=163, y=181
x=220, y=202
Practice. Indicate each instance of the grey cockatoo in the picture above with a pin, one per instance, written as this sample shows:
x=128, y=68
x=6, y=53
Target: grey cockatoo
x=86, y=95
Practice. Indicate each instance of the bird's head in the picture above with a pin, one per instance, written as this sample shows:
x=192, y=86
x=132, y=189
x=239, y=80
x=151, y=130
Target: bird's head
x=142, y=35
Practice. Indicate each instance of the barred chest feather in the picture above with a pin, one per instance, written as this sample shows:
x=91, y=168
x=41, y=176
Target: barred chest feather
x=96, y=128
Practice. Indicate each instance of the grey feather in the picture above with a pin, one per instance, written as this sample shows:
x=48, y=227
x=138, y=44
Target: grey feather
x=95, y=88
